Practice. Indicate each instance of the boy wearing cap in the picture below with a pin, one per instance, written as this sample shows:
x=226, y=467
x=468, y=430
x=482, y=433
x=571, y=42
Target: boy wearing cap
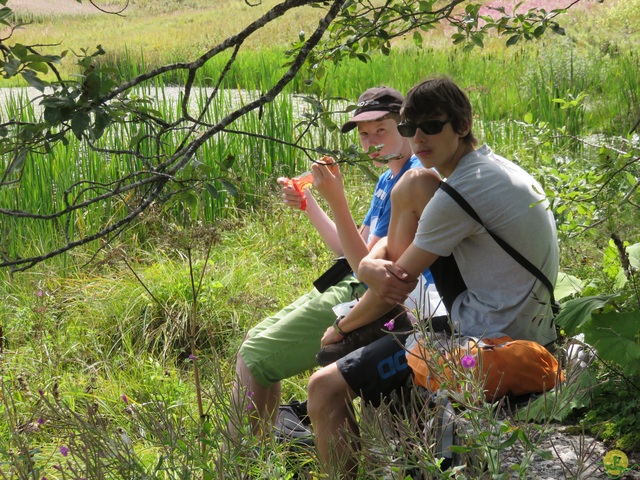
x=286, y=343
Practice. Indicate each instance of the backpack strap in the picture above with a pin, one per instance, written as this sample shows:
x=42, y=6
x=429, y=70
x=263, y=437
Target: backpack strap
x=535, y=271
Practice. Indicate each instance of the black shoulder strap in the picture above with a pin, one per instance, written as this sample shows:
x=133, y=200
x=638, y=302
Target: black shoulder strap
x=506, y=247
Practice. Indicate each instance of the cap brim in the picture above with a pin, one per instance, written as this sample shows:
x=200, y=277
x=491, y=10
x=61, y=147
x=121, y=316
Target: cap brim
x=363, y=117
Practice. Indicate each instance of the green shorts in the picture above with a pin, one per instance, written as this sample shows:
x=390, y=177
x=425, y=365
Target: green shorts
x=286, y=343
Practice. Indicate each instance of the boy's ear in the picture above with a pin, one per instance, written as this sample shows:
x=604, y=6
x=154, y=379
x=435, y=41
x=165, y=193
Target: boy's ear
x=465, y=128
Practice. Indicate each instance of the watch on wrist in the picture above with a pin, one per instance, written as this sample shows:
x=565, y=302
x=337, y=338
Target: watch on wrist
x=337, y=328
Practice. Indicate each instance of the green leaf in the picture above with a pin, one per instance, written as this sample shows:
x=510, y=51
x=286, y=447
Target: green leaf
x=229, y=187
x=513, y=40
x=213, y=191
x=539, y=31
x=58, y=102
x=102, y=121
x=5, y=12
x=136, y=138
x=91, y=85
x=615, y=336
x=459, y=449
x=11, y=67
x=32, y=79
x=52, y=115
x=20, y=51
x=36, y=58
x=228, y=162
x=558, y=404
x=417, y=39
x=79, y=123
x=329, y=123
x=39, y=67
x=186, y=197
x=567, y=285
x=18, y=162
x=577, y=312
x=509, y=441
x=634, y=255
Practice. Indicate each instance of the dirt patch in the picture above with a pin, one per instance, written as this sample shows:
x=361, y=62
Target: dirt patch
x=52, y=7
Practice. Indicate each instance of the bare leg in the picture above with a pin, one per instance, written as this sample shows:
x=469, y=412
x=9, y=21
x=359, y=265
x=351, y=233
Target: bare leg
x=260, y=403
x=331, y=412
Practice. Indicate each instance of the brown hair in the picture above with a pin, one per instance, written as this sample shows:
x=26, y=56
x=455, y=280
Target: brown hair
x=440, y=96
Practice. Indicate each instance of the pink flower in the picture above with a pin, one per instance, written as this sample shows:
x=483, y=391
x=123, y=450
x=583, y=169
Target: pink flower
x=192, y=357
x=125, y=399
x=468, y=361
x=390, y=325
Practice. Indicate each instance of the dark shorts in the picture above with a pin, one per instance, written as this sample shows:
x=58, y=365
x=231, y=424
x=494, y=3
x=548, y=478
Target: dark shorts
x=378, y=369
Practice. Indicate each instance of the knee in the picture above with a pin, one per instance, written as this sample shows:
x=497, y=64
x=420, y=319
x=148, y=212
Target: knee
x=323, y=390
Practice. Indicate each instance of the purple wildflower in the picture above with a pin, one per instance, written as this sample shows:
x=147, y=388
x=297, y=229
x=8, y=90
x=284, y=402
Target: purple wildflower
x=39, y=293
x=193, y=357
x=390, y=324
x=125, y=399
x=40, y=421
x=64, y=451
x=468, y=361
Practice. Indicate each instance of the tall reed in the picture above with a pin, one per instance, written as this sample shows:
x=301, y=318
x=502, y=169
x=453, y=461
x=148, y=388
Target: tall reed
x=506, y=87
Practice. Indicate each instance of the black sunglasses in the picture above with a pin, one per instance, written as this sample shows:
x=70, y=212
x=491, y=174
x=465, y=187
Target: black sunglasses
x=429, y=127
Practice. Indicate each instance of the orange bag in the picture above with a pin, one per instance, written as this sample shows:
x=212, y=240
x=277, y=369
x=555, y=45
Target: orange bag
x=505, y=366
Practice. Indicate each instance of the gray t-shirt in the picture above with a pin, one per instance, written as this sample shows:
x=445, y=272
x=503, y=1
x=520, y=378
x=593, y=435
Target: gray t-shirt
x=502, y=297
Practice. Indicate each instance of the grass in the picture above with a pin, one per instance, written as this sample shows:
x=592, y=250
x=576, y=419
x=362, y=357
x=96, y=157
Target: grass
x=164, y=33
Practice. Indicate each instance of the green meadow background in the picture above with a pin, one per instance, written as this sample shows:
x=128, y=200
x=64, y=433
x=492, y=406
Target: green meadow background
x=88, y=330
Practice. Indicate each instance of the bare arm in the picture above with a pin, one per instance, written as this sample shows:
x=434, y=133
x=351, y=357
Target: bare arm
x=390, y=282
x=408, y=199
x=328, y=182
x=318, y=217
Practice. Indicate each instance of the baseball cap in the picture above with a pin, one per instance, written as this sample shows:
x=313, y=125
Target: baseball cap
x=373, y=104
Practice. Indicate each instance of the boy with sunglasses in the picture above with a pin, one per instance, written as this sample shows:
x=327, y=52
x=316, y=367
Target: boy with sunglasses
x=486, y=292
x=286, y=344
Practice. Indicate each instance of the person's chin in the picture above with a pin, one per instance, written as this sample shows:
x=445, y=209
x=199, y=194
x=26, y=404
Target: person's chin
x=426, y=159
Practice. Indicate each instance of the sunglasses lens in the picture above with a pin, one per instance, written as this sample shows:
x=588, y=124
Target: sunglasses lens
x=406, y=129
x=432, y=127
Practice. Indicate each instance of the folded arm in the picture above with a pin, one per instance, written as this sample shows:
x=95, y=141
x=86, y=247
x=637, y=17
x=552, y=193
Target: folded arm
x=392, y=268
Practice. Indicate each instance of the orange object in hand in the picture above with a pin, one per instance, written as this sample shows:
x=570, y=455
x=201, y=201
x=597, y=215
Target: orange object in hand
x=302, y=181
x=305, y=180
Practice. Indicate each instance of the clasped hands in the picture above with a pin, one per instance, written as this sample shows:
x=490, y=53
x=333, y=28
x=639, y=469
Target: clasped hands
x=386, y=280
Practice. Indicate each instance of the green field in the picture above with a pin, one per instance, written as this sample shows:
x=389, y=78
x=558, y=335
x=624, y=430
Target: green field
x=97, y=342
